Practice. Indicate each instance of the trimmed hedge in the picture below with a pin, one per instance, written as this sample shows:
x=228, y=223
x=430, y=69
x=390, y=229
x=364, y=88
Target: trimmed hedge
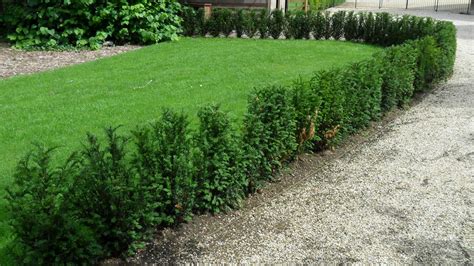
x=107, y=199
x=219, y=172
x=268, y=135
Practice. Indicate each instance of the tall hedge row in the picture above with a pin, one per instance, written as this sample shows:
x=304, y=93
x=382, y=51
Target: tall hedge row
x=109, y=196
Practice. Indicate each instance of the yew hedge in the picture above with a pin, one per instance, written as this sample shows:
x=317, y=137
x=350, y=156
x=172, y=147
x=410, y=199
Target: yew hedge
x=108, y=198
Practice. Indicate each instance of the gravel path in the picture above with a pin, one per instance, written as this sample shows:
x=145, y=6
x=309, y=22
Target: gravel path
x=15, y=62
x=403, y=195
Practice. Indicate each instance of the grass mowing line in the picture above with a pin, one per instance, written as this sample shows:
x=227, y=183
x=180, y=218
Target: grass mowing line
x=58, y=107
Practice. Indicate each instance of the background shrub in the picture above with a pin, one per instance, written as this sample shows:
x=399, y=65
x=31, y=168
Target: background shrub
x=299, y=25
x=221, y=21
x=318, y=25
x=215, y=22
x=88, y=23
x=368, y=27
x=288, y=30
x=361, y=17
x=276, y=24
x=251, y=25
x=304, y=20
x=382, y=27
x=239, y=22
x=227, y=22
x=327, y=25
x=202, y=25
x=337, y=24
x=262, y=23
x=190, y=21
x=403, y=26
x=351, y=24
x=324, y=4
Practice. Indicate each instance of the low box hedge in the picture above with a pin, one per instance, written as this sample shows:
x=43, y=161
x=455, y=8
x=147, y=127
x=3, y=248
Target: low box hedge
x=108, y=198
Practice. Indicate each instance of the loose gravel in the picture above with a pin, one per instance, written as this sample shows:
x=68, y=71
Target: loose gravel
x=402, y=193
x=16, y=62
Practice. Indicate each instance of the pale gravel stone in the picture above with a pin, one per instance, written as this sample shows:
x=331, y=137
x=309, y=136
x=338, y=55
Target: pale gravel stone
x=404, y=196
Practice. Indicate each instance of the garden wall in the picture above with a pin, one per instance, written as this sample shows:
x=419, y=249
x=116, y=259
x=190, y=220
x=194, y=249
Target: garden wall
x=109, y=197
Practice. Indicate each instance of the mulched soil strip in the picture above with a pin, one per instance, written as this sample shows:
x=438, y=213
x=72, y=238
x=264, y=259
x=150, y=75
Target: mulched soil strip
x=16, y=62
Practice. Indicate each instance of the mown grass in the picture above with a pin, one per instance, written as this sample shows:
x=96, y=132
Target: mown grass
x=58, y=107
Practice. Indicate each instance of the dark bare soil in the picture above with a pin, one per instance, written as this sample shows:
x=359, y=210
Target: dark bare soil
x=16, y=62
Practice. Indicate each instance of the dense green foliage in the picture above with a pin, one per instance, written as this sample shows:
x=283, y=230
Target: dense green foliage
x=338, y=21
x=178, y=171
x=251, y=23
x=398, y=75
x=47, y=226
x=380, y=28
x=268, y=134
x=262, y=23
x=276, y=24
x=362, y=85
x=327, y=86
x=190, y=22
x=307, y=105
x=351, y=26
x=323, y=4
x=123, y=90
x=240, y=22
x=318, y=25
x=314, y=5
x=89, y=23
x=219, y=170
x=104, y=193
x=298, y=25
x=221, y=22
x=167, y=155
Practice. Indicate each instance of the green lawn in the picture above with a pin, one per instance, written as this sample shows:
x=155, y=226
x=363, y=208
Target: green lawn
x=58, y=107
